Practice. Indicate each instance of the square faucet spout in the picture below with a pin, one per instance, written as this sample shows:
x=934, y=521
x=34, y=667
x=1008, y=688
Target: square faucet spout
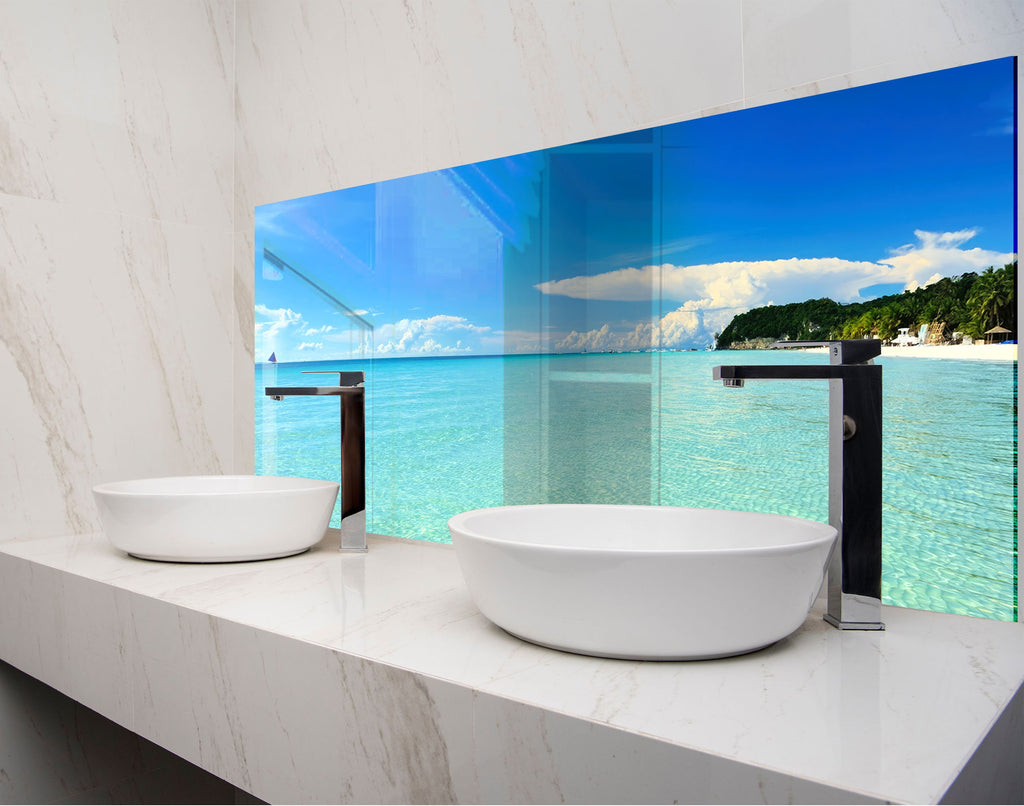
x=855, y=470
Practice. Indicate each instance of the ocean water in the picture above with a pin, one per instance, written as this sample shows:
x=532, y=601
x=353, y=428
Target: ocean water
x=449, y=434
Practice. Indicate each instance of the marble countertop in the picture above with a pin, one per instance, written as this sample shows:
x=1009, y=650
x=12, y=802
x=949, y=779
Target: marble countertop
x=894, y=715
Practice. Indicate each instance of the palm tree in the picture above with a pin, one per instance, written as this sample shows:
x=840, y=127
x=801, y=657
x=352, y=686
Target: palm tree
x=1008, y=291
x=992, y=296
x=886, y=324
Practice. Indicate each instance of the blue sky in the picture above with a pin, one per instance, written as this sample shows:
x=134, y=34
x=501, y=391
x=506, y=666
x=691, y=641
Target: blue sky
x=849, y=195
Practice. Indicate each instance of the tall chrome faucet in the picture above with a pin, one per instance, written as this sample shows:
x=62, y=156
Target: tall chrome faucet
x=854, y=471
x=353, y=448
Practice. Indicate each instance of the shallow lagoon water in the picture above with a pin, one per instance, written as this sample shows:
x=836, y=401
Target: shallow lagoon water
x=450, y=434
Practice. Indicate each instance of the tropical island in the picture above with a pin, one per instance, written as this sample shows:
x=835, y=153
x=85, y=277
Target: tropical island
x=967, y=307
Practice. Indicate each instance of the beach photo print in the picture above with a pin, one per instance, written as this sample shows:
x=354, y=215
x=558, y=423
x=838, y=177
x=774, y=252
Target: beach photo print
x=542, y=327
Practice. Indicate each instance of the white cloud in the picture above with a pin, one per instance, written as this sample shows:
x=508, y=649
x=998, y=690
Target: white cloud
x=435, y=335
x=938, y=255
x=310, y=345
x=271, y=321
x=913, y=285
x=688, y=326
x=757, y=282
x=694, y=326
x=318, y=331
x=275, y=328
x=603, y=339
x=713, y=293
x=624, y=285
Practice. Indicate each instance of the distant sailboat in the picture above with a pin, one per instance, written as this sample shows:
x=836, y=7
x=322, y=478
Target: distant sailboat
x=273, y=358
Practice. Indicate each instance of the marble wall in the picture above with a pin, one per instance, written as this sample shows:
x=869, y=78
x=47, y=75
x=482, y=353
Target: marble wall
x=116, y=307
x=332, y=95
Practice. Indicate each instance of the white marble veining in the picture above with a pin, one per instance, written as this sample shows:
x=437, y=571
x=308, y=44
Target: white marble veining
x=423, y=85
x=106, y=107
x=109, y=374
x=242, y=328
x=297, y=679
x=806, y=47
x=116, y=186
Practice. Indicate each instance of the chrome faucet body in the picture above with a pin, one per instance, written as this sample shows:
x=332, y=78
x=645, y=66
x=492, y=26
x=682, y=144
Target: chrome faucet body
x=352, y=449
x=855, y=471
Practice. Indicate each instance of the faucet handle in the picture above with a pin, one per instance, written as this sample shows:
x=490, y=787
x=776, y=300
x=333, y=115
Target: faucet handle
x=349, y=378
x=842, y=351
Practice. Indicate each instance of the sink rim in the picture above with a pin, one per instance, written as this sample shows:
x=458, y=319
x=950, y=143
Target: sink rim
x=262, y=485
x=828, y=533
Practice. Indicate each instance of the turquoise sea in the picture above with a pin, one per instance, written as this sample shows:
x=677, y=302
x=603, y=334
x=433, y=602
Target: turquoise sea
x=450, y=434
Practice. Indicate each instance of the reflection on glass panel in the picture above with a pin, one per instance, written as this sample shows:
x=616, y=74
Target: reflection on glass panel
x=579, y=429
x=301, y=436
x=542, y=327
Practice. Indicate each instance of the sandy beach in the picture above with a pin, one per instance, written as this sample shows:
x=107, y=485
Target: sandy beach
x=979, y=352
x=961, y=352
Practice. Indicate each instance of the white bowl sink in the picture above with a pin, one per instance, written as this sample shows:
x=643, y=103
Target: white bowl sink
x=646, y=583
x=211, y=519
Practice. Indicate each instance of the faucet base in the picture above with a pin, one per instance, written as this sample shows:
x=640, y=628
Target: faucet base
x=854, y=625
x=346, y=539
x=353, y=532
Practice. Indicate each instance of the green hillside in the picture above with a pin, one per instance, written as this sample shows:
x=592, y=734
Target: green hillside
x=971, y=303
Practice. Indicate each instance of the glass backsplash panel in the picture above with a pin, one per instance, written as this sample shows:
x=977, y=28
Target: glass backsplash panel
x=542, y=327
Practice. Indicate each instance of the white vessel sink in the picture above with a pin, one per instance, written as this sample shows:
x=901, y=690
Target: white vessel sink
x=647, y=583
x=209, y=519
